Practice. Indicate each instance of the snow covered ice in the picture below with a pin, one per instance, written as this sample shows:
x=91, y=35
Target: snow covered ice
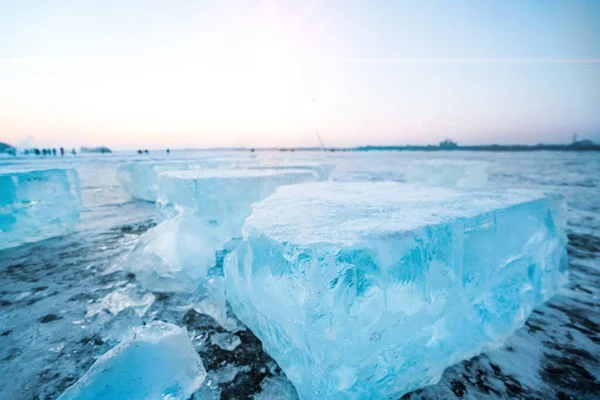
x=37, y=205
x=448, y=173
x=156, y=361
x=370, y=290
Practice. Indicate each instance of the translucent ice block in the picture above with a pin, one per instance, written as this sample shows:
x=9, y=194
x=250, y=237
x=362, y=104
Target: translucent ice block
x=37, y=205
x=222, y=198
x=370, y=290
x=206, y=209
x=140, y=179
x=156, y=361
x=174, y=256
x=448, y=173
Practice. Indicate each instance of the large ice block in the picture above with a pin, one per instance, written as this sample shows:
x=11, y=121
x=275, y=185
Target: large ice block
x=37, y=205
x=140, y=179
x=448, y=173
x=222, y=198
x=206, y=209
x=370, y=290
x=157, y=361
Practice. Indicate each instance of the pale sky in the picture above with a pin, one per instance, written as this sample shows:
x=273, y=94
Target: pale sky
x=206, y=73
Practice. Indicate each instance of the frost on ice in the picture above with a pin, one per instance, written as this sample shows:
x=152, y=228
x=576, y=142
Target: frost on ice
x=370, y=290
x=448, y=173
x=207, y=208
x=156, y=361
x=37, y=205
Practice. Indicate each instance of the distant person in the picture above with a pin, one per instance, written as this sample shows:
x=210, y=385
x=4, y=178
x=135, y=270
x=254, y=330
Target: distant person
x=74, y=152
x=54, y=152
x=140, y=152
x=36, y=152
x=168, y=151
x=146, y=151
x=26, y=152
x=62, y=151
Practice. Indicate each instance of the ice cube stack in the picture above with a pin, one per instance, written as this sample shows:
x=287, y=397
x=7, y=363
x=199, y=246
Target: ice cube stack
x=370, y=290
x=37, y=205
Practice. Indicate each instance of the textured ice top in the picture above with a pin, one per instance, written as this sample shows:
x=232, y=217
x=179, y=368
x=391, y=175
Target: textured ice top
x=303, y=214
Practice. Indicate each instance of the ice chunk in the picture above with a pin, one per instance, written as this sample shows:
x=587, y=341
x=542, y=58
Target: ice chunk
x=222, y=197
x=37, y=205
x=448, y=173
x=157, y=361
x=174, y=256
x=121, y=299
x=370, y=290
x=226, y=341
x=276, y=388
x=140, y=179
x=209, y=208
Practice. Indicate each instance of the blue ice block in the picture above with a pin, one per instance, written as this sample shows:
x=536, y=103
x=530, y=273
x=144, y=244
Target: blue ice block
x=370, y=290
x=157, y=361
x=206, y=209
x=37, y=205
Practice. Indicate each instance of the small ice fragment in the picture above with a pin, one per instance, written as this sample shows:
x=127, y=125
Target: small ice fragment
x=154, y=362
x=226, y=341
x=214, y=304
x=37, y=205
x=276, y=388
x=120, y=299
x=448, y=173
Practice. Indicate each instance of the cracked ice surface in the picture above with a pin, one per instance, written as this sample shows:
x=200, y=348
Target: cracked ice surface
x=156, y=361
x=409, y=280
x=448, y=173
x=37, y=205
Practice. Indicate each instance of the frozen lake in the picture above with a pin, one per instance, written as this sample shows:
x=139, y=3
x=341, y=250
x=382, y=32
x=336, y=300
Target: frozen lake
x=50, y=333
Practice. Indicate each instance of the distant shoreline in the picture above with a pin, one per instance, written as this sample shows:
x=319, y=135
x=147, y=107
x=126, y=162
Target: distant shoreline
x=493, y=147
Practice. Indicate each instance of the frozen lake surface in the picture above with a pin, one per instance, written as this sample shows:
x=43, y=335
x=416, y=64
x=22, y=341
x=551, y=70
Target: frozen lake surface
x=59, y=297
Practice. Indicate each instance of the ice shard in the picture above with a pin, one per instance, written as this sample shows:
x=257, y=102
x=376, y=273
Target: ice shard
x=370, y=290
x=448, y=173
x=174, y=256
x=156, y=361
x=37, y=205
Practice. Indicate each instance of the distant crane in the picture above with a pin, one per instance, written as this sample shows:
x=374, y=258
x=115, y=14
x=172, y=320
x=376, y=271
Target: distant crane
x=320, y=140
